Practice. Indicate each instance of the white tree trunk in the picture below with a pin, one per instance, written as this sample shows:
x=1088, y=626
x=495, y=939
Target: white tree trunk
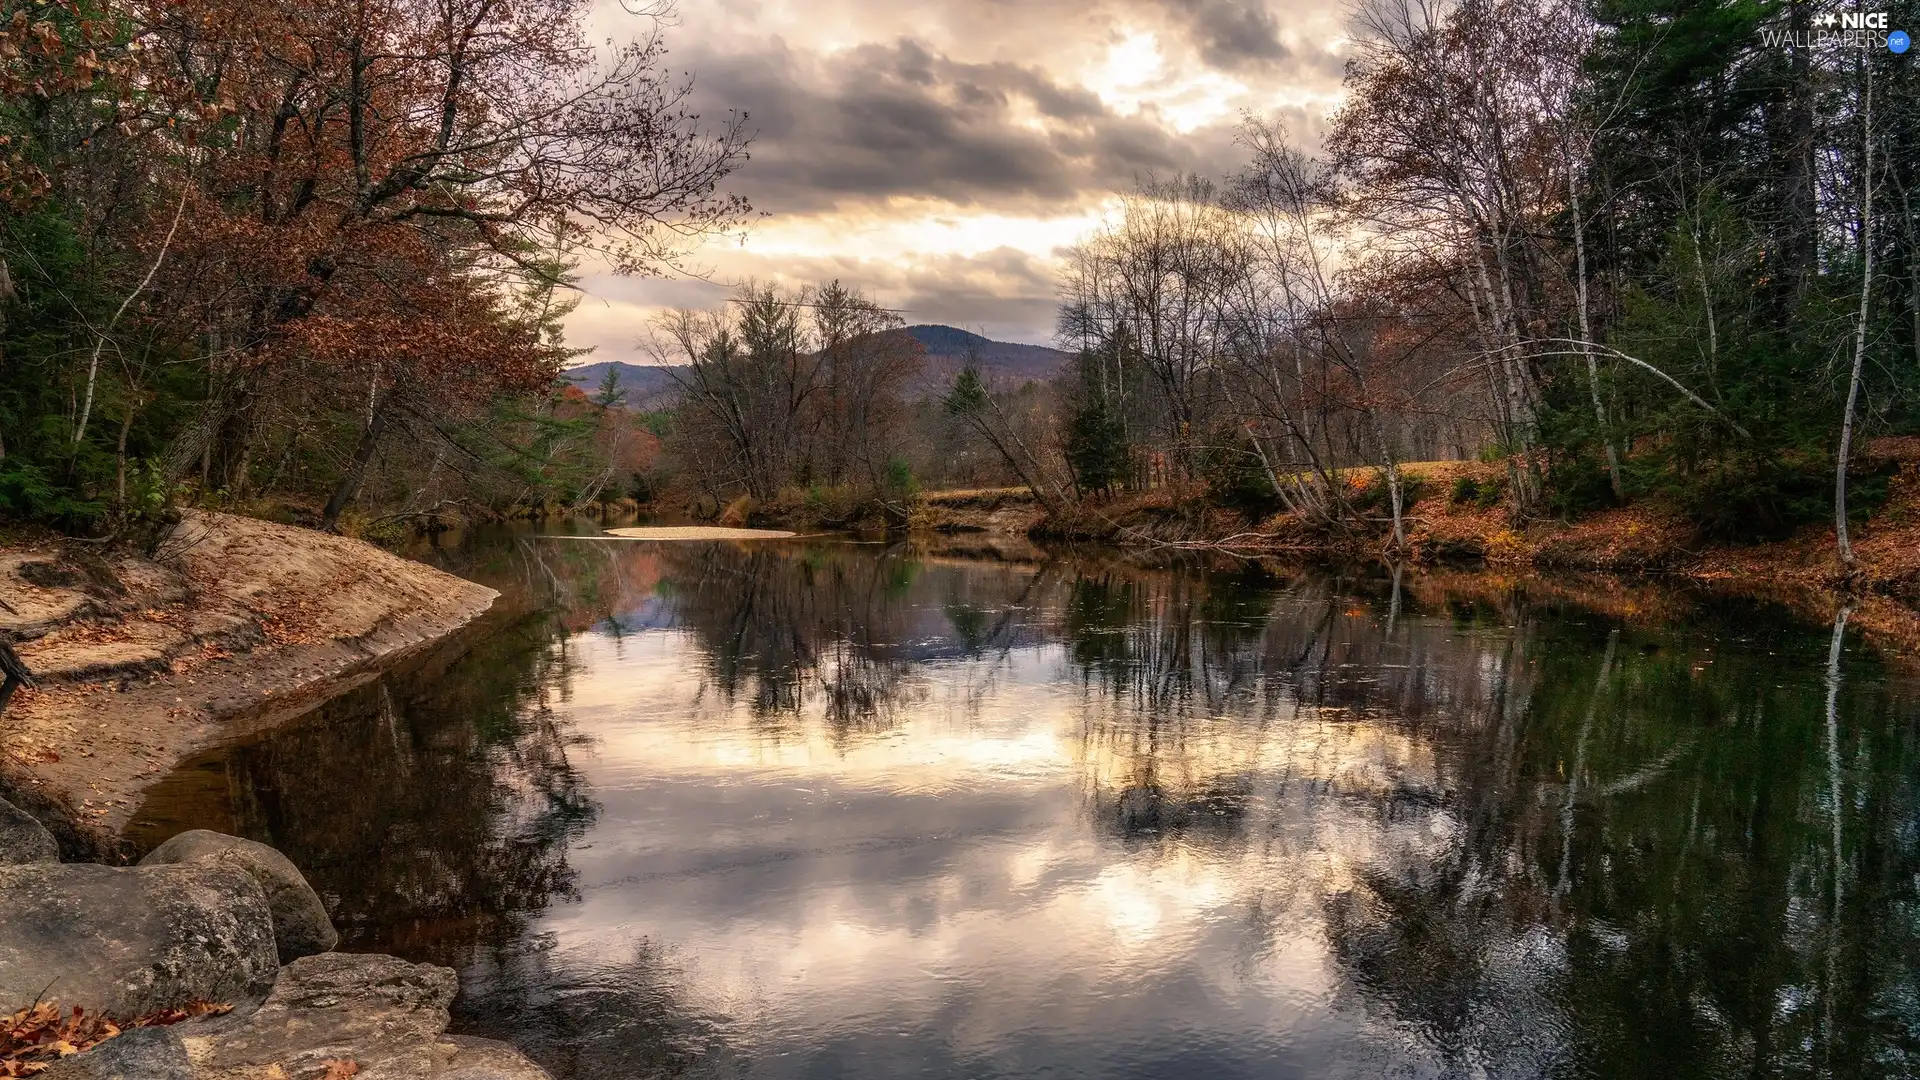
x=1586, y=333
x=1860, y=327
x=93, y=364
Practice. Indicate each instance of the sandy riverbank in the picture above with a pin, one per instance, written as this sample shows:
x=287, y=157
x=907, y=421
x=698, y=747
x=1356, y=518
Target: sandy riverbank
x=233, y=624
x=698, y=532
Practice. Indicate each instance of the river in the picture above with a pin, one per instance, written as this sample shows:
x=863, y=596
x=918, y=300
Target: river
x=836, y=809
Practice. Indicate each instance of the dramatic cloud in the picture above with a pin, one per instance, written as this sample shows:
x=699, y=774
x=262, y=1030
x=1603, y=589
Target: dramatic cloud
x=897, y=119
x=942, y=153
x=1233, y=34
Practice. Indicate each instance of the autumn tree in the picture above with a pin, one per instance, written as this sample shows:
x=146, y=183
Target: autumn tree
x=336, y=214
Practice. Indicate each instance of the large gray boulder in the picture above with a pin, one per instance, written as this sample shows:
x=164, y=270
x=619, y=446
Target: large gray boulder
x=468, y=1058
x=128, y=941
x=24, y=840
x=154, y=1053
x=300, y=923
x=383, y=1014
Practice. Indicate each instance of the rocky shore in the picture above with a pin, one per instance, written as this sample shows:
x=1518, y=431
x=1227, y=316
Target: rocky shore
x=209, y=960
x=230, y=626
x=212, y=958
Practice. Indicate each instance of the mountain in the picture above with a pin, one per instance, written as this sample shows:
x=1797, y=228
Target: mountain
x=648, y=386
x=652, y=387
x=1003, y=360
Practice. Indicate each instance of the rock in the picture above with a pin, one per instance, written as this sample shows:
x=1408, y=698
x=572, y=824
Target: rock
x=128, y=941
x=154, y=1053
x=467, y=1058
x=383, y=1014
x=300, y=923
x=23, y=839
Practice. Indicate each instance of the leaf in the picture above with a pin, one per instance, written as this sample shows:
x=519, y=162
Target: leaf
x=35, y=1037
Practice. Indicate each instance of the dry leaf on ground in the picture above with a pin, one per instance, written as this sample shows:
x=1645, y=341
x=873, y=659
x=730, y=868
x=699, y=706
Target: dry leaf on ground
x=35, y=1037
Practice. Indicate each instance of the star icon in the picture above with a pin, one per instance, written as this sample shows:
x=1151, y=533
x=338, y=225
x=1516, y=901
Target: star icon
x=1825, y=18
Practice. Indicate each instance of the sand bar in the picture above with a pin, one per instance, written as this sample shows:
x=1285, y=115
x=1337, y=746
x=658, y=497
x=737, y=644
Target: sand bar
x=699, y=532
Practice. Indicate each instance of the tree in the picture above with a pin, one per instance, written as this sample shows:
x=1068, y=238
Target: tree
x=972, y=402
x=1096, y=449
x=1844, y=457
x=610, y=395
x=1151, y=289
x=788, y=389
x=324, y=222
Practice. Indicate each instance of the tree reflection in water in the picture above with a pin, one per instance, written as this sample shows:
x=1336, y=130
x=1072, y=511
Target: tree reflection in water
x=1533, y=828
x=1686, y=912
x=446, y=798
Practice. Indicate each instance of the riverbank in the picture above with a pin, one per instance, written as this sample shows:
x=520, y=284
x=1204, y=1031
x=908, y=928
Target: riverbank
x=1455, y=512
x=1456, y=517
x=232, y=625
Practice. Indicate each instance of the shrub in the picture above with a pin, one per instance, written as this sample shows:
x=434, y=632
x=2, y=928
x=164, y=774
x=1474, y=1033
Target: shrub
x=28, y=491
x=1377, y=497
x=1484, y=494
x=1739, y=500
x=1237, y=479
x=896, y=480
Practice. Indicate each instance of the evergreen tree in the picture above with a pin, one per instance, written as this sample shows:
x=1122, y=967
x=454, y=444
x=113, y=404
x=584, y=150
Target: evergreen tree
x=610, y=395
x=1096, y=448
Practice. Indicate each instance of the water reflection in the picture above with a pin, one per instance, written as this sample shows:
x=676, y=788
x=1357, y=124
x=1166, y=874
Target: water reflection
x=852, y=810
x=441, y=804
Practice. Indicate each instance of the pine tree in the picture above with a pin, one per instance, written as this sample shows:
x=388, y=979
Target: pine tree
x=610, y=395
x=1096, y=448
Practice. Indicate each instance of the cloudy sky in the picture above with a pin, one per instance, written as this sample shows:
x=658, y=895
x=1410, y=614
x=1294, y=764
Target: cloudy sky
x=940, y=153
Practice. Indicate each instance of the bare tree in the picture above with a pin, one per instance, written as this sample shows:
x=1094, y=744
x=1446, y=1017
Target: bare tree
x=789, y=389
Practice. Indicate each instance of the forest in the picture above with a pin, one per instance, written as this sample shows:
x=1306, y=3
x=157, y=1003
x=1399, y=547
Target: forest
x=322, y=250
x=1630, y=253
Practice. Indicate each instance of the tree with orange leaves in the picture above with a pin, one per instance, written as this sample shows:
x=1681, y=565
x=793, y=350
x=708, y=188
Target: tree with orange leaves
x=322, y=220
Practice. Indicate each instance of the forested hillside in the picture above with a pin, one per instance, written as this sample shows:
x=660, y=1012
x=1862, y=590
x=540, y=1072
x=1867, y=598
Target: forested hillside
x=950, y=349
x=947, y=349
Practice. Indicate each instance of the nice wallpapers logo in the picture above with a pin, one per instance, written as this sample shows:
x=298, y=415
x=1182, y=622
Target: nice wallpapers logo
x=1845, y=29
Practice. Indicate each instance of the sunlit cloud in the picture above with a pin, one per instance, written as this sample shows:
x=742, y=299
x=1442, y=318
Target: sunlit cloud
x=1135, y=77
x=907, y=229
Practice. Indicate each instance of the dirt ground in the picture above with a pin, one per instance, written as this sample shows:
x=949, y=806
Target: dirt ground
x=232, y=625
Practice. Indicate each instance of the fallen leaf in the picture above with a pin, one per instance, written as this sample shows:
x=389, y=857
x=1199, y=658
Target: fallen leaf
x=35, y=1037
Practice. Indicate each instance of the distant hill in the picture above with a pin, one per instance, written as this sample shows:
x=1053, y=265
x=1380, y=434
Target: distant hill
x=648, y=386
x=947, y=353
x=652, y=387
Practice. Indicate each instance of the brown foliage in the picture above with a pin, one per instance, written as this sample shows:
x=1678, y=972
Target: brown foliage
x=343, y=210
x=35, y=1037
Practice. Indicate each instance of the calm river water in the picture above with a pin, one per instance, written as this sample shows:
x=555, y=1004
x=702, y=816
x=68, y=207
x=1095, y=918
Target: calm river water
x=828, y=809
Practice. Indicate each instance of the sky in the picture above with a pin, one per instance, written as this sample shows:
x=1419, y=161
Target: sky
x=941, y=154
